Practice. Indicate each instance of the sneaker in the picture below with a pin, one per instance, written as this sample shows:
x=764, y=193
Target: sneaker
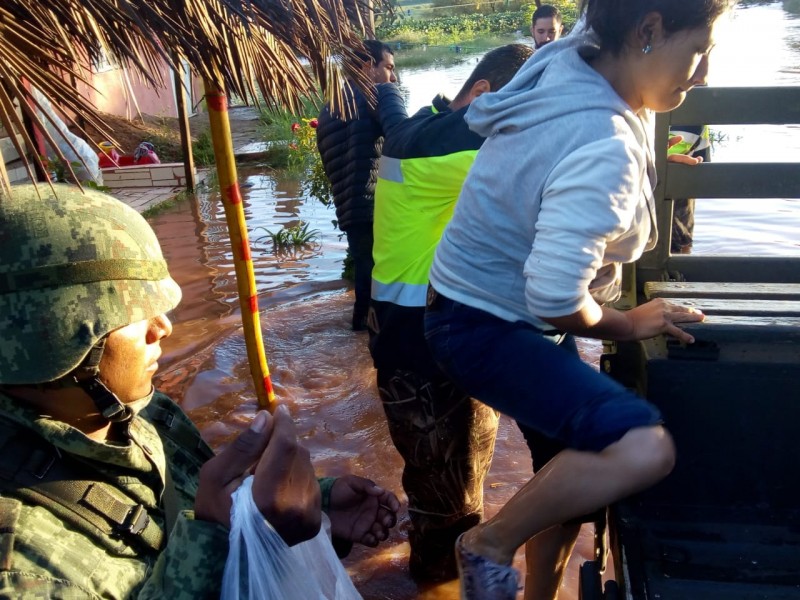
x=481, y=579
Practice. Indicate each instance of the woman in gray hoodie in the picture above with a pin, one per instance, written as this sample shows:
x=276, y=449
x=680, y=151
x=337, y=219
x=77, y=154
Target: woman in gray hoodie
x=559, y=196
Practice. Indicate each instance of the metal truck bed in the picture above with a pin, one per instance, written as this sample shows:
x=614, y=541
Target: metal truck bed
x=725, y=525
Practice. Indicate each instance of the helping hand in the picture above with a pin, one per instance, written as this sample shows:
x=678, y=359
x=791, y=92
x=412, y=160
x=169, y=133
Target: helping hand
x=683, y=159
x=285, y=488
x=360, y=511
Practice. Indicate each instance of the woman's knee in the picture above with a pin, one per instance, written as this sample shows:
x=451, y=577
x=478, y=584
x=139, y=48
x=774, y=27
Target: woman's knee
x=647, y=451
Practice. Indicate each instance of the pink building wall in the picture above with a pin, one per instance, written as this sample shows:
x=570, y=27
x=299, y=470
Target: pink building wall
x=119, y=91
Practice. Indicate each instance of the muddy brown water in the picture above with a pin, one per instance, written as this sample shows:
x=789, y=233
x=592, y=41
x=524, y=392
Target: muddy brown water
x=320, y=368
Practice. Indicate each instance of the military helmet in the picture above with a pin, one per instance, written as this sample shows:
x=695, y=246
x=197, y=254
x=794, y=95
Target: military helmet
x=74, y=266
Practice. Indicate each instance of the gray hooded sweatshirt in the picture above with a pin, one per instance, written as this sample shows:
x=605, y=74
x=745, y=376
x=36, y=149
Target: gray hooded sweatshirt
x=559, y=196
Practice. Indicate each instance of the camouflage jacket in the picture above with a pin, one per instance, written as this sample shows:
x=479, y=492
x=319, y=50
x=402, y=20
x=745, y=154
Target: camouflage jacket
x=41, y=556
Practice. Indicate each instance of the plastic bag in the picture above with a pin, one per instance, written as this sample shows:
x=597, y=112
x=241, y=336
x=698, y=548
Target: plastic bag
x=73, y=148
x=145, y=154
x=261, y=566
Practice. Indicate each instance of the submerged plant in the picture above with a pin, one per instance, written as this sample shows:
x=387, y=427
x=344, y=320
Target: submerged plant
x=289, y=238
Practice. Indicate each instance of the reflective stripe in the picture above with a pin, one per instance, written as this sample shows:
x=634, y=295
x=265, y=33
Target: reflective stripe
x=402, y=294
x=389, y=169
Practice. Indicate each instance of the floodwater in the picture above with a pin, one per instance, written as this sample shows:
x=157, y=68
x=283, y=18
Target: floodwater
x=322, y=370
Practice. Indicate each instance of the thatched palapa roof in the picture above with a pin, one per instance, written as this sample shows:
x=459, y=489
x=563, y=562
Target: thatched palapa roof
x=241, y=46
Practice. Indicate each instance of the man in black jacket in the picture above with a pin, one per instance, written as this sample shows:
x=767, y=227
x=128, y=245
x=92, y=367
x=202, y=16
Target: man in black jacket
x=350, y=149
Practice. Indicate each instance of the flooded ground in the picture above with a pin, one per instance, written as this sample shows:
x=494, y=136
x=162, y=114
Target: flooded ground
x=322, y=370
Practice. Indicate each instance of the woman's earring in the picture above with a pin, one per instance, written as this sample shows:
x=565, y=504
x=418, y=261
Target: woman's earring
x=648, y=48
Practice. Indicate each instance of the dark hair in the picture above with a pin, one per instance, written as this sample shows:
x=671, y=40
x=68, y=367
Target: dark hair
x=375, y=50
x=498, y=67
x=613, y=20
x=546, y=11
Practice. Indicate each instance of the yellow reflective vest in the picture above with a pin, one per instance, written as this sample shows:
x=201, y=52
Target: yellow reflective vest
x=424, y=163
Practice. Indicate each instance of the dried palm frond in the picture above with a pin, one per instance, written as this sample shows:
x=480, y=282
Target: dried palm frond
x=240, y=46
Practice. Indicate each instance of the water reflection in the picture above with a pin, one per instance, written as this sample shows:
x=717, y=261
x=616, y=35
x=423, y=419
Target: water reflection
x=322, y=370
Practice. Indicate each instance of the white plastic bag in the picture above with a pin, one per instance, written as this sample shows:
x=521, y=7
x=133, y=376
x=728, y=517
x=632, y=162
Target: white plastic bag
x=73, y=148
x=261, y=566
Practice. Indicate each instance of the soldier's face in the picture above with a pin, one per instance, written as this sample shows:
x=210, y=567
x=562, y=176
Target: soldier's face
x=130, y=358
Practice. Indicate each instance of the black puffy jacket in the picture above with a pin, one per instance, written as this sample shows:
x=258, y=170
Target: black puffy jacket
x=350, y=150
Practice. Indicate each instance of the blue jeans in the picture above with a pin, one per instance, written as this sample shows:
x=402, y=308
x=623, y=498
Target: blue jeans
x=518, y=370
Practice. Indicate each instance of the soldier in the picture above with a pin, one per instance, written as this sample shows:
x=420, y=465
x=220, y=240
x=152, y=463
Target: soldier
x=106, y=488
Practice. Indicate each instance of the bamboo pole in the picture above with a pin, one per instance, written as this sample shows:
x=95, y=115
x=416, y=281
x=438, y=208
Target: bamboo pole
x=217, y=103
x=183, y=123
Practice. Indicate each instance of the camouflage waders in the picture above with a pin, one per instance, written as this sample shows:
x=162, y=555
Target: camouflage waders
x=446, y=440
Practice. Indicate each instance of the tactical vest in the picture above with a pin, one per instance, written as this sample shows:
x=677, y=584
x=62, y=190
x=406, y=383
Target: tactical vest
x=36, y=472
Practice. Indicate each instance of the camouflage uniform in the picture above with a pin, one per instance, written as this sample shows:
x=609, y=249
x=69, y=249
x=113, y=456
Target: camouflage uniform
x=43, y=557
x=74, y=268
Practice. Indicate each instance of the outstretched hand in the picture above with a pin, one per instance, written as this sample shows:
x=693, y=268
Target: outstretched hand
x=683, y=159
x=361, y=511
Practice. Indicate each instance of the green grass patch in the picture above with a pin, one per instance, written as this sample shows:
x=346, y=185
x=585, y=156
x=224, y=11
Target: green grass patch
x=454, y=29
x=445, y=22
x=419, y=55
x=203, y=150
x=277, y=124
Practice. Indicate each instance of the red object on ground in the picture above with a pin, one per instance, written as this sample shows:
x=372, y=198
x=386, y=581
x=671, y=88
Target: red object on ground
x=109, y=158
x=112, y=159
x=151, y=158
x=123, y=160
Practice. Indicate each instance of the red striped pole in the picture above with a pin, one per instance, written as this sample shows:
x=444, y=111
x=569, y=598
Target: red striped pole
x=222, y=141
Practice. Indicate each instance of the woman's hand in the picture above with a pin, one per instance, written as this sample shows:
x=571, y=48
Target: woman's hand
x=360, y=511
x=645, y=321
x=659, y=316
